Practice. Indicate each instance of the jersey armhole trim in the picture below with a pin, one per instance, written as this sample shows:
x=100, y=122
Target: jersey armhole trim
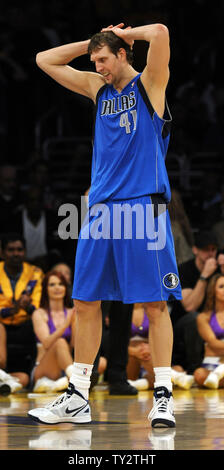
x=99, y=93
x=166, y=120
x=145, y=98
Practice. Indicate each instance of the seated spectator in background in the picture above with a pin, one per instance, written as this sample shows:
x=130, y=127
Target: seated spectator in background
x=181, y=228
x=220, y=260
x=140, y=369
x=211, y=328
x=218, y=227
x=194, y=276
x=10, y=195
x=38, y=227
x=39, y=178
x=53, y=324
x=20, y=292
x=112, y=357
x=120, y=316
x=65, y=269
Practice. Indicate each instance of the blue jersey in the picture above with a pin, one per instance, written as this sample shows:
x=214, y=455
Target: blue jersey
x=130, y=145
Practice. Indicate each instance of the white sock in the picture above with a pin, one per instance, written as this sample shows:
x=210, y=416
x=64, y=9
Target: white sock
x=69, y=370
x=80, y=378
x=163, y=377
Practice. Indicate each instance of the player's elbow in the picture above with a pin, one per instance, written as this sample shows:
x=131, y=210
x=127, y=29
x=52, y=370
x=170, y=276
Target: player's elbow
x=161, y=29
x=189, y=306
x=160, y=32
x=39, y=59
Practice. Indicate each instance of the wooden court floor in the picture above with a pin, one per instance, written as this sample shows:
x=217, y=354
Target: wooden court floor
x=119, y=423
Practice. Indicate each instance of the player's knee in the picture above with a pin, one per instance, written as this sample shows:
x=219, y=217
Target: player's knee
x=61, y=343
x=154, y=310
x=3, y=362
x=200, y=375
x=86, y=308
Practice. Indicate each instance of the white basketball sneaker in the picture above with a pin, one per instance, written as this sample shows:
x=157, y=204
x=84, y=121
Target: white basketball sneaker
x=4, y=388
x=11, y=381
x=43, y=385
x=140, y=384
x=161, y=414
x=184, y=381
x=70, y=407
x=212, y=381
x=60, y=384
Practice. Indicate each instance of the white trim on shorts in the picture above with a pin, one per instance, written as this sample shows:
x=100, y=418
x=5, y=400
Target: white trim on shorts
x=210, y=362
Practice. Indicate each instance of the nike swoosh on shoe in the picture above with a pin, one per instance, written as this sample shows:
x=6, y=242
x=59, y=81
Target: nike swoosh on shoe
x=67, y=411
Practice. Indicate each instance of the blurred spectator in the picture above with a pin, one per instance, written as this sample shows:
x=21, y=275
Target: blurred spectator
x=65, y=269
x=140, y=369
x=210, y=326
x=20, y=292
x=54, y=323
x=112, y=357
x=220, y=261
x=38, y=227
x=120, y=316
x=194, y=275
x=10, y=196
x=181, y=228
x=39, y=177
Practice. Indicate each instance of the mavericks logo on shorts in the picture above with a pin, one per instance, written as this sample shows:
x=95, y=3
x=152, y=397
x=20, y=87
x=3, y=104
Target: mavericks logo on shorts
x=170, y=281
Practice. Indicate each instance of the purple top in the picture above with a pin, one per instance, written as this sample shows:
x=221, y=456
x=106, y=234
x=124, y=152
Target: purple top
x=216, y=328
x=67, y=333
x=141, y=330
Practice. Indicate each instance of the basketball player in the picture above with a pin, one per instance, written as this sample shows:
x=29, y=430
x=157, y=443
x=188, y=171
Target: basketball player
x=130, y=143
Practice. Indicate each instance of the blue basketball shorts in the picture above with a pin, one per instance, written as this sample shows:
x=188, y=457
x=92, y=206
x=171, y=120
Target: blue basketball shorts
x=125, y=252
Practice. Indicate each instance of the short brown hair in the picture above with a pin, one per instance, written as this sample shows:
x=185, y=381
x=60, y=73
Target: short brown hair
x=108, y=38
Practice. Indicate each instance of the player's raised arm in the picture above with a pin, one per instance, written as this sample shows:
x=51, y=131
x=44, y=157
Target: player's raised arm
x=55, y=62
x=155, y=75
x=157, y=66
